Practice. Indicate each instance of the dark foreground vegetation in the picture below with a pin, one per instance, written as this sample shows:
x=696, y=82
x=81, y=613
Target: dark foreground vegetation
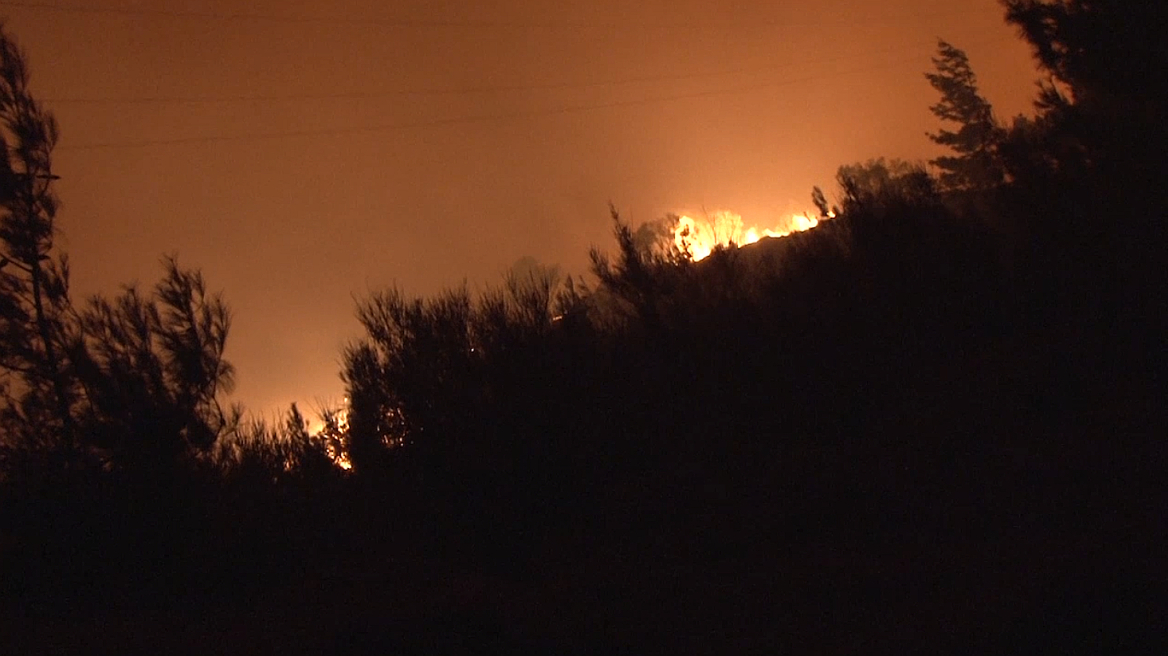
x=935, y=421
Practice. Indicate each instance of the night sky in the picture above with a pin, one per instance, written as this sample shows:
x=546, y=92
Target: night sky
x=310, y=152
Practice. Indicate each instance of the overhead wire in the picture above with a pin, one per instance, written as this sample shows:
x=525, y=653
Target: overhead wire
x=50, y=6
x=485, y=89
x=500, y=116
x=35, y=5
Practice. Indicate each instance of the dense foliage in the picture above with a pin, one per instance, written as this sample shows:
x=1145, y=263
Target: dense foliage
x=934, y=420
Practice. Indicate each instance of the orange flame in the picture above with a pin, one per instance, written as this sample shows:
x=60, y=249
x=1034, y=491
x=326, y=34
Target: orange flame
x=699, y=238
x=319, y=430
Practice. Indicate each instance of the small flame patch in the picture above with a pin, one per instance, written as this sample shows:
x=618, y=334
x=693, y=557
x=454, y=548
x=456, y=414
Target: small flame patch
x=698, y=238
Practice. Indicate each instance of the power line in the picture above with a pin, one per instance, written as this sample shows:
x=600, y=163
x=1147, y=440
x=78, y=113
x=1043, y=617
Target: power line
x=487, y=89
x=453, y=23
x=396, y=127
x=464, y=90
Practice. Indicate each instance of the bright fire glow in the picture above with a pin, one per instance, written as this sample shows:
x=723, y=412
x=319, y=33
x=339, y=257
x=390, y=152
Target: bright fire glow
x=332, y=435
x=699, y=237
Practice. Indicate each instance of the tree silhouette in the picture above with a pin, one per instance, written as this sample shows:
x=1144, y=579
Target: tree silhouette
x=135, y=381
x=642, y=276
x=429, y=371
x=877, y=180
x=262, y=455
x=1104, y=51
x=37, y=397
x=974, y=166
x=153, y=372
x=1097, y=144
x=1108, y=55
x=668, y=452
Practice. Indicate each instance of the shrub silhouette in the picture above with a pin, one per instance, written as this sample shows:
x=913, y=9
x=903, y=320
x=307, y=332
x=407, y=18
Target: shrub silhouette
x=152, y=372
x=951, y=387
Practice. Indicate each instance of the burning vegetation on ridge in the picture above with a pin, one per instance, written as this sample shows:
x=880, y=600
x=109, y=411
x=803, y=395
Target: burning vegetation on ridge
x=932, y=423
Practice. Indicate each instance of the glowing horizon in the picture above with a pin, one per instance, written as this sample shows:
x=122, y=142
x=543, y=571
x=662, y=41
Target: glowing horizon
x=699, y=238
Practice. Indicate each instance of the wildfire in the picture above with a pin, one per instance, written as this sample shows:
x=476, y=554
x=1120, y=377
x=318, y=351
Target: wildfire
x=698, y=238
x=333, y=431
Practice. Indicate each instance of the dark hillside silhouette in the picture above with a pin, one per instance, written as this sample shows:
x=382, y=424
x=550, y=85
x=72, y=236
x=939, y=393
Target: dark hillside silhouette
x=935, y=421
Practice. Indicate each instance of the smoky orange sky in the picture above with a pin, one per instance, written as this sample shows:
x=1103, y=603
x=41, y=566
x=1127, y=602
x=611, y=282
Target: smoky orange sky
x=304, y=153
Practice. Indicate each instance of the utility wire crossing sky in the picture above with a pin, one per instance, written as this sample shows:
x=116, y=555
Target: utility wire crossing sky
x=481, y=117
x=482, y=24
x=304, y=153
